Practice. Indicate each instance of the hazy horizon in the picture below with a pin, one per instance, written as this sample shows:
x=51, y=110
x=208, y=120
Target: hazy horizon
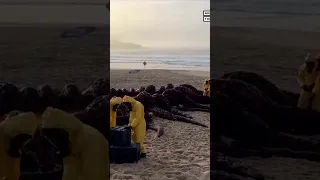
x=160, y=23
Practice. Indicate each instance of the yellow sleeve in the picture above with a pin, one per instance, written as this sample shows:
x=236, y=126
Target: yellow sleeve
x=301, y=75
x=95, y=162
x=9, y=167
x=139, y=114
x=70, y=168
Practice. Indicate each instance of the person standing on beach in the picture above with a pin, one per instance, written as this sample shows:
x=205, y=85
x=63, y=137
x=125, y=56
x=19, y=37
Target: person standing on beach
x=306, y=77
x=136, y=122
x=206, y=88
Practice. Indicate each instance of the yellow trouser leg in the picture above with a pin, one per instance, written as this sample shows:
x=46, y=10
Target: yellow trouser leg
x=136, y=140
x=142, y=148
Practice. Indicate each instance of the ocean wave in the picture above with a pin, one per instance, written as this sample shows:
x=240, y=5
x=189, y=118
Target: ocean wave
x=191, y=60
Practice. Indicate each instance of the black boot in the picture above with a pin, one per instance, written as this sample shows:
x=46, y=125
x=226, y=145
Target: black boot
x=143, y=155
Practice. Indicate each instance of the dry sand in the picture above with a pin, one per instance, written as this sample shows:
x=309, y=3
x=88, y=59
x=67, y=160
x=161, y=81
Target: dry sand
x=183, y=152
x=277, y=55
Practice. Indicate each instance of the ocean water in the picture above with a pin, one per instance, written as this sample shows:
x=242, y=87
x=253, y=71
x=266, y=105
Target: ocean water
x=198, y=60
x=283, y=14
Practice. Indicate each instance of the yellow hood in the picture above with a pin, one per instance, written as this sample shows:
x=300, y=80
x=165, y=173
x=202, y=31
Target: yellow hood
x=128, y=99
x=131, y=100
x=115, y=100
x=22, y=123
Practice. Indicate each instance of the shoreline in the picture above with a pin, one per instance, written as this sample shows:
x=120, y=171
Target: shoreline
x=201, y=73
x=123, y=79
x=137, y=66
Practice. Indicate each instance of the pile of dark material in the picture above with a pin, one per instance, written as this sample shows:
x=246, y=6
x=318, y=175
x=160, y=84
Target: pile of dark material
x=91, y=106
x=167, y=102
x=92, y=103
x=253, y=117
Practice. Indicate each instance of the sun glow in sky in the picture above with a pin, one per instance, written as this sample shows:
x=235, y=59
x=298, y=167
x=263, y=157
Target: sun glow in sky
x=160, y=23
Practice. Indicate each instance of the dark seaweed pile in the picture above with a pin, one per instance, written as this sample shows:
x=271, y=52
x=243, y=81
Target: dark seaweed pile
x=253, y=117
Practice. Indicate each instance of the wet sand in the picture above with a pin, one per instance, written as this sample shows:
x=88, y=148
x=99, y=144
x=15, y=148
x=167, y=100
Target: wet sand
x=276, y=55
x=183, y=152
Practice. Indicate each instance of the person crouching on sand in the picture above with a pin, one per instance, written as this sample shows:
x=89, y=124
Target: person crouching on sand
x=306, y=77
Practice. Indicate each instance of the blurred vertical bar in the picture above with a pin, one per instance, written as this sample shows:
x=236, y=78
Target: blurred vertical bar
x=56, y=42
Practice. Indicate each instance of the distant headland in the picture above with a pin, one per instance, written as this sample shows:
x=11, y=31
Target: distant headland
x=122, y=45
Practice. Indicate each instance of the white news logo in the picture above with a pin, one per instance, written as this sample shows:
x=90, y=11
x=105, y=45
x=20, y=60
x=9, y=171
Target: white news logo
x=206, y=16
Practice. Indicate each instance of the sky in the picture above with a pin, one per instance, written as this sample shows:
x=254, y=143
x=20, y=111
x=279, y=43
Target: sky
x=160, y=23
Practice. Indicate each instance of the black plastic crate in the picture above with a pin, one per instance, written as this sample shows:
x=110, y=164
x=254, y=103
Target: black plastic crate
x=122, y=120
x=120, y=136
x=129, y=154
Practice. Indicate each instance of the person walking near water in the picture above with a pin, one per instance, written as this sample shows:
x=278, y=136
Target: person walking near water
x=306, y=77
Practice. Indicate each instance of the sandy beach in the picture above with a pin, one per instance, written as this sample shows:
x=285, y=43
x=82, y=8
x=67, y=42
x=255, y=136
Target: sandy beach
x=183, y=152
x=276, y=55
x=35, y=54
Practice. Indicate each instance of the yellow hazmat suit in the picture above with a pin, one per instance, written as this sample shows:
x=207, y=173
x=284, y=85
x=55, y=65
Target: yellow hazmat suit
x=206, y=88
x=137, y=122
x=24, y=123
x=306, y=78
x=89, y=158
x=114, y=102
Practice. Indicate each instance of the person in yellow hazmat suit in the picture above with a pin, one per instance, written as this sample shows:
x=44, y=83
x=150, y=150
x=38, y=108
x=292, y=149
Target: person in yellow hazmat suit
x=306, y=77
x=114, y=103
x=14, y=132
x=136, y=122
x=315, y=98
x=89, y=150
x=206, y=88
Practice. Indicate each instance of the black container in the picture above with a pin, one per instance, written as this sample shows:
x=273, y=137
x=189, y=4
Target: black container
x=122, y=120
x=129, y=154
x=120, y=136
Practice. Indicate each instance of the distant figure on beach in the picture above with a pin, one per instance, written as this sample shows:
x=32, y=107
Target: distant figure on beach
x=315, y=104
x=306, y=77
x=206, y=88
x=144, y=64
x=136, y=122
